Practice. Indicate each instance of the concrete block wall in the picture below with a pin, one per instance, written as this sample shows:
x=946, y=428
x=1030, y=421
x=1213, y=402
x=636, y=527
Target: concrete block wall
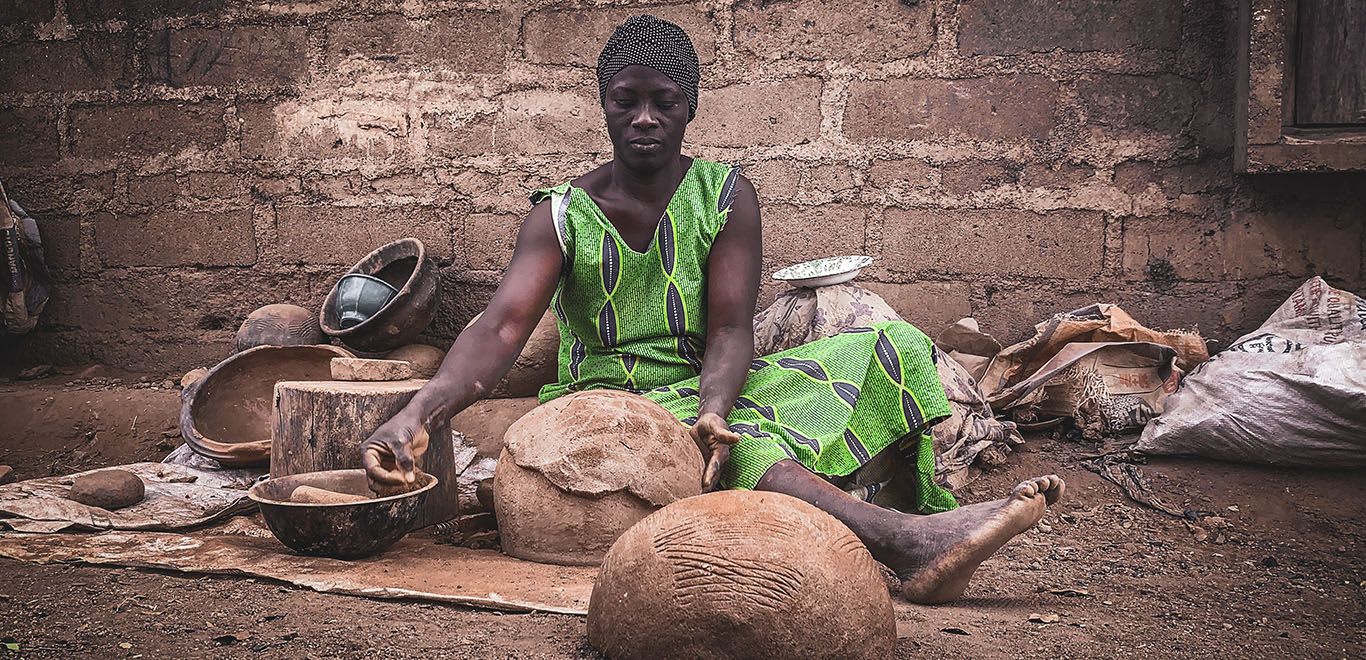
x=190, y=160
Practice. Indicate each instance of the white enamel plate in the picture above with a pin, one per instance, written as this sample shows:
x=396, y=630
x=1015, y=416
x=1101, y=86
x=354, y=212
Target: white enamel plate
x=824, y=272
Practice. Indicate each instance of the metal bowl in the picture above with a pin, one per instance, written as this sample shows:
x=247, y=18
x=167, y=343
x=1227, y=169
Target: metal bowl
x=342, y=531
x=361, y=296
x=404, y=265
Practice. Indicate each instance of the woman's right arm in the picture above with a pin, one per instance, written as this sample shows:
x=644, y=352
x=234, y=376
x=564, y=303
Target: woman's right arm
x=482, y=354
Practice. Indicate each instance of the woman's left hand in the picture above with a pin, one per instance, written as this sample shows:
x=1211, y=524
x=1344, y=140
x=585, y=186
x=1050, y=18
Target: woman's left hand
x=714, y=437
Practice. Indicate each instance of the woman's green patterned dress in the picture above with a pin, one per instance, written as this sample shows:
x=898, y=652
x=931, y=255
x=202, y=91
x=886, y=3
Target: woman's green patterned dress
x=636, y=321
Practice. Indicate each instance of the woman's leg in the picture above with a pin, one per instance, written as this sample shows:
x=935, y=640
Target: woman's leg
x=934, y=555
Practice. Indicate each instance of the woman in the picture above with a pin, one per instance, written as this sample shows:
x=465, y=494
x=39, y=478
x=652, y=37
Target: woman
x=651, y=263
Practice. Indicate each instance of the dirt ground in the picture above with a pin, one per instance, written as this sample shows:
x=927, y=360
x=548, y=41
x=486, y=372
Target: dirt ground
x=1281, y=572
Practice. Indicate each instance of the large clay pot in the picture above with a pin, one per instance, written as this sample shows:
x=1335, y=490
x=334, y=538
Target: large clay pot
x=404, y=264
x=580, y=470
x=227, y=415
x=536, y=365
x=279, y=325
x=740, y=574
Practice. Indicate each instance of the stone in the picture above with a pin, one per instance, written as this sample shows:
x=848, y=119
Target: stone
x=878, y=31
x=108, y=489
x=344, y=235
x=988, y=108
x=745, y=115
x=736, y=574
x=90, y=61
x=312, y=495
x=993, y=242
x=423, y=359
x=545, y=31
x=30, y=137
x=6, y=474
x=107, y=131
x=279, y=325
x=362, y=369
x=176, y=238
x=1011, y=27
x=581, y=469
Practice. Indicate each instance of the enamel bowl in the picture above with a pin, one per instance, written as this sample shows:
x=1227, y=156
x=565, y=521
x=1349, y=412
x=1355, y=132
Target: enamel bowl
x=824, y=272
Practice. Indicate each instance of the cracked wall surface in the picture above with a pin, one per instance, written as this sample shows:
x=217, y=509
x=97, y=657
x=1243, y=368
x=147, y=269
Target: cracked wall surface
x=190, y=160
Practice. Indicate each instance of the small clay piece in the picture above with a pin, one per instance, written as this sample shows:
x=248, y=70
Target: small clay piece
x=192, y=376
x=279, y=325
x=108, y=489
x=313, y=495
x=486, y=422
x=361, y=369
x=536, y=365
x=580, y=470
x=424, y=359
x=740, y=574
x=6, y=474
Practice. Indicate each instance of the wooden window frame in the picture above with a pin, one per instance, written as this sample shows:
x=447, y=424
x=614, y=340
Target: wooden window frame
x=1266, y=138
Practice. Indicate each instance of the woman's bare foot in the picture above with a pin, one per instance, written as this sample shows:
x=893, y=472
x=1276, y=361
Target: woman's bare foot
x=936, y=555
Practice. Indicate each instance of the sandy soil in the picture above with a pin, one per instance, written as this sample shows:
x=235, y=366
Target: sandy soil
x=1280, y=573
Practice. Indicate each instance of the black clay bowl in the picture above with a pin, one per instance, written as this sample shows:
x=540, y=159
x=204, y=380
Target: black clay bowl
x=342, y=531
x=404, y=265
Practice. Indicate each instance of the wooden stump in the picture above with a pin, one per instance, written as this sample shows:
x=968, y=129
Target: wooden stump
x=319, y=425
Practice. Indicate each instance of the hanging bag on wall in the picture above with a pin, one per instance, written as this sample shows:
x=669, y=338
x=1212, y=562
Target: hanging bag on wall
x=24, y=279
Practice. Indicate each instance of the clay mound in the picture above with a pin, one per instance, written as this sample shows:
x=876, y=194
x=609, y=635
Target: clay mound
x=279, y=325
x=108, y=489
x=536, y=365
x=740, y=574
x=424, y=359
x=580, y=470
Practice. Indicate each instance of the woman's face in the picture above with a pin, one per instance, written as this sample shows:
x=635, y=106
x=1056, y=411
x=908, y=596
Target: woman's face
x=646, y=116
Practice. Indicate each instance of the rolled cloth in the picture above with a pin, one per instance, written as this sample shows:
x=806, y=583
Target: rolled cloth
x=655, y=43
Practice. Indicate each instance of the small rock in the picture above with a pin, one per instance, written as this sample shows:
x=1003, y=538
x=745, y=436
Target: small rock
x=1269, y=561
x=6, y=474
x=35, y=372
x=1035, y=617
x=1233, y=508
x=167, y=384
x=192, y=376
x=108, y=489
x=954, y=631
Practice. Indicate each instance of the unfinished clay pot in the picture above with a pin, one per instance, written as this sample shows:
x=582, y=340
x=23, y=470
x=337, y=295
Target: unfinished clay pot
x=740, y=574
x=227, y=414
x=108, y=489
x=403, y=264
x=485, y=423
x=424, y=359
x=580, y=470
x=536, y=365
x=279, y=325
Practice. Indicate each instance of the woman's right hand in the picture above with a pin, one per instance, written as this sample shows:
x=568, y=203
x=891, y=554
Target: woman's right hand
x=390, y=453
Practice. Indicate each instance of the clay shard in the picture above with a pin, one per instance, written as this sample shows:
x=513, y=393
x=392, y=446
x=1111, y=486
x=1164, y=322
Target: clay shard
x=762, y=567
x=108, y=489
x=361, y=369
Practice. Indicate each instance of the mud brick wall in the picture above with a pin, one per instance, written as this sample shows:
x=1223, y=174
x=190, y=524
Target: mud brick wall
x=190, y=160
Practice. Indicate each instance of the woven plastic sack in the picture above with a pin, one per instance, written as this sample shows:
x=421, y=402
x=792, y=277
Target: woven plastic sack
x=1293, y=392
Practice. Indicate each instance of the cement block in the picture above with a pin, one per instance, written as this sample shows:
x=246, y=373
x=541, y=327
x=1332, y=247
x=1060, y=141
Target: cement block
x=993, y=242
x=120, y=131
x=244, y=55
x=176, y=238
x=749, y=115
x=89, y=61
x=574, y=35
x=878, y=31
x=1013, y=27
x=343, y=235
x=991, y=108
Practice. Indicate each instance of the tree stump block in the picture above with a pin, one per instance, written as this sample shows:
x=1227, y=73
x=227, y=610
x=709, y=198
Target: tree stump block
x=319, y=425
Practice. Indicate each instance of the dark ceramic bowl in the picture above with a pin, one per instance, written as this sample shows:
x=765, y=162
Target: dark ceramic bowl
x=404, y=265
x=360, y=297
x=342, y=531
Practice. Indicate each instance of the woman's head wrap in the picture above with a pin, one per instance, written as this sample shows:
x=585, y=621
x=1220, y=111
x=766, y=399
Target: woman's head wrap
x=655, y=43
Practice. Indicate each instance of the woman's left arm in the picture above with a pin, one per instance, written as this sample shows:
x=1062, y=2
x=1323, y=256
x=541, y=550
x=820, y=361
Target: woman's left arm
x=732, y=290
